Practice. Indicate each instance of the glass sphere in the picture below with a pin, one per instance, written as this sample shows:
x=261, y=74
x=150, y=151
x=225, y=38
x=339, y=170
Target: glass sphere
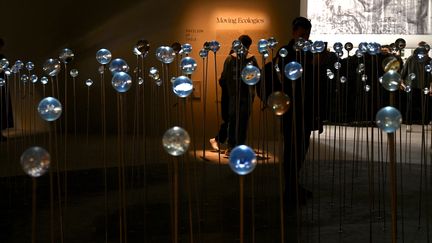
x=298, y=45
x=262, y=45
x=158, y=82
x=49, y=109
x=307, y=46
x=24, y=78
x=19, y=64
x=4, y=63
x=272, y=42
x=44, y=80
x=360, y=68
x=203, y=53
x=373, y=48
x=388, y=119
x=279, y=102
x=140, y=80
x=143, y=46
x=349, y=46
x=51, y=67
x=15, y=69
x=283, y=52
x=188, y=65
x=391, y=80
x=66, y=55
x=343, y=79
x=176, y=141
x=214, y=46
x=103, y=56
x=236, y=46
x=7, y=71
x=182, y=86
x=250, y=74
x=367, y=88
x=34, y=78
x=242, y=160
x=29, y=66
x=154, y=73
x=318, y=46
x=121, y=82
x=89, y=82
x=337, y=47
x=426, y=91
x=400, y=43
x=421, y=54
x=35, y=161
x=411, y=76
x=330, y=74
x=118, y=65
x=73, y=73
x=136, y=52
x=165, y=54
x=293, y=70
x=337, y=65
x=428, y=68
x=101, y=69
x=364, y=77
x=359, y=53
x=177, y=47
x=407, y=89
x=186, y=48
x=363, y=47
x=390, y=63
x=2, y=82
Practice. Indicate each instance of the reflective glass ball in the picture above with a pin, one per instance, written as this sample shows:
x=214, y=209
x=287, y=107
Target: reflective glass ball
x=51, y=67
x=165, y=54
x=66, y=55
x=279, y=102
x=391, y=80
x=214, y=45
x=118, y=65
x=348, y=46
x=390, y=63
x=24, y=78
x=203, y=53
x=283, y=52
x=176, y=141
x=154, y=73
x=73, y=73
x=318, y=46
x=363, y=47
x=388, y=119
x=293, y=70
x=121, y=82
x=29, y=66
x=337, y=47
x=19, y=64
x=49, y=109
x=182, y=86
x=186, y=48
x=44, y=80
x=250, y=74
x=33, y=78
x=188, y=65
x=420, y=54
x=242, y=160
x=89, y=82
x=374, y=48
x=400, y=43
x=272, y=42
x=103, y=56
x=262, y=45
x=35, y=161
x=4, y=63
x=142, y=46
x=2, y=82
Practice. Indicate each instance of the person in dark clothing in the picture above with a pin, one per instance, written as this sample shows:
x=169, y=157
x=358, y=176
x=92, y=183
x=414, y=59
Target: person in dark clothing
x=6, y=120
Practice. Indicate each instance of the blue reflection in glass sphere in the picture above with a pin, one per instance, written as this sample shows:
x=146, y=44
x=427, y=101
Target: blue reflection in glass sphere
x=293, y=70
x=19, y=64
x=103, y=56
x=307, y=45
x=373, y=48
x=165, y=54
x=250, y=74
x=34, y=78
x=388, y=119
x=154, y=73
x=182, y=86
x=66, y=55
x=318, y=46
x=24, y=78
x=176, y=141
x=121, y=82
x=337, y=47
x=44, y=80
x=51, y=67
x=421, y=54
x=262, y=46
x=188, y=65
x=49, y=109
x=35, y=161
x=236, y=45
x=272, y=42
x=283, y=52
x=4, y=63
x=29, y=66
x=214, y=46
x=242, y=160
x=203, y=53
x=363, y=47
x=391, y=80
x=118, y=65
x=186, y=48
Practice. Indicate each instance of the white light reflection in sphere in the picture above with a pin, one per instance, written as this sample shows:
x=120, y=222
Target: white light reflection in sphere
x=188, y=65
x=35, y=161
x=186, y=48
x=73, y=73
x=165, y=54
x=29, y=66
x=49, y=109
x=388, y=119
x=103, y=56
x=293, y=70
x=24, y=78
x=34, y=78
x=272, y=42
x=250, y=74
x=182, y=86
x=2, y=82
x=44, y=80
x=242, y=160
x=89, y=82
x=214, y=46
x=121, y=82
x=118, y=65
x=391, y=80
x=262, y=45
x=337, y=47
x=203, y=53
x=4, y=63
x=51, y=67
x=66, y=55
x=279, y=102
x=283, y=52
x=176, y=141
x=318, y=46
x=154, y=73
x=348, y=46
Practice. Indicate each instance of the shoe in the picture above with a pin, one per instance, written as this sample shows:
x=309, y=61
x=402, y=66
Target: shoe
x=214, y=144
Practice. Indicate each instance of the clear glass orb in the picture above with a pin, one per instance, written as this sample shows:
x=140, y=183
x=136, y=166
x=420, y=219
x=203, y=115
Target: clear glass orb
x=279, y=102
x=158, y=82
x=165, y=54
x=298, y=45
x=52, y=67
x=373, y=48
x=428, y=68
x=186, y=48
x=242, y=160
x=182, y=86
x=103, y=56
x=388, y=119
x=360, y=68
x=390, y=63
x=391, y=80
x=343, y=79
x=176, y=141
x=49, y=109
x=337, y=65
x=7, y=71
x=136, y=52
x=89, y=82
x=265, y=54
x=363, y=47
x=44, y=80
x=283, y=52
x=177, y=47
x=348, y=46
x=400, y=43
x=140, y=80
x=35, y=161
x=15, y=69
x=188, y=65
x=272, y=42
x=293, y=70
x=359, y=53
x=73, y=73
x=364, y=77
x=143, y=47
x=214, y=46
x=118, y=65
x=101, y=69
x=330, y=74
x=262, y=46
x=407, y=89
x=24, y=78
x=4, y=63
x=19, y=64
x=420, y=54
x=34, y=78
x=411, y=76
x=318, y=46
x=154, y=73
x=203, y=53
x=367, y=88
x=121, y=82
x=250, y=74
x=337, y=47
x=29, y=66
x=66, y=55
x=307, y=46
x=2, y=82
x=426, y=91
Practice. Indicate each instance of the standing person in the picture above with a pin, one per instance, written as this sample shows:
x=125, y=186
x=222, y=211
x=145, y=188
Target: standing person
x=240, y=95
x=6, y=105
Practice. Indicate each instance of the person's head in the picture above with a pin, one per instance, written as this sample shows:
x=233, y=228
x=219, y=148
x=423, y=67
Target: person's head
x=246, y=41
x=301, y=27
